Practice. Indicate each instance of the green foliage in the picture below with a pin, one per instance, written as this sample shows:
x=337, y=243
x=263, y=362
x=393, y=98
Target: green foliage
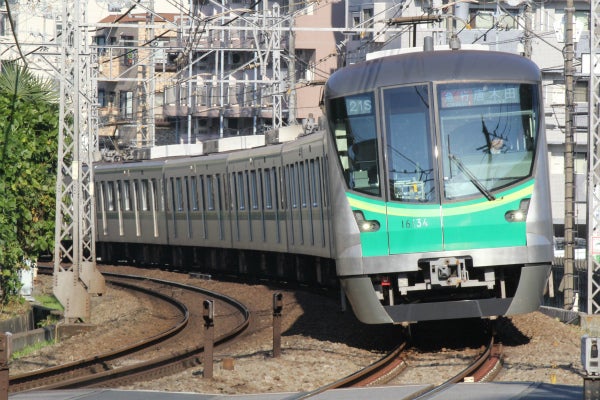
x=28, y=152
x=30, y=349
x=49, y=301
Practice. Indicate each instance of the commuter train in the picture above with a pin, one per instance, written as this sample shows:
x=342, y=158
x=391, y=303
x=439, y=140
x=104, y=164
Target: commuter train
x=425, y=194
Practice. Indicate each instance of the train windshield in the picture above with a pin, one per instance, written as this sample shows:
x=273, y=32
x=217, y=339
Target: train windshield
x=353, y=125
x=488, y=133
x=408, y=135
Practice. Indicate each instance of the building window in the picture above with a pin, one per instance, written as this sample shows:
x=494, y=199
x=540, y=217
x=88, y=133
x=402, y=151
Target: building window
x=367, y=22
x=581, y=92
x=101, y=98
x=126, y=104
x=101, y=42
x=129, y=54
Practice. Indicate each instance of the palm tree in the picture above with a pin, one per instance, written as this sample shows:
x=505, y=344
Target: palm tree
x=19, y=85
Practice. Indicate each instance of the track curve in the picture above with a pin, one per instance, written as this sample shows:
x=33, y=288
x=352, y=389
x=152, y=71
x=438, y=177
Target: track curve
x=101, y=370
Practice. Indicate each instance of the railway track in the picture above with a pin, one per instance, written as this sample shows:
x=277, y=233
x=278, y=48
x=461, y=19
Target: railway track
x=484, y=368
x=116, y=367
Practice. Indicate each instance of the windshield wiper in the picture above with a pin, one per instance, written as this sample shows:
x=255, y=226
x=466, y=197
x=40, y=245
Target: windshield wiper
x=476, y=182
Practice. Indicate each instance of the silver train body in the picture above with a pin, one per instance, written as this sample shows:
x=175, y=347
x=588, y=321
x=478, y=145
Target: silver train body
x=310, y=210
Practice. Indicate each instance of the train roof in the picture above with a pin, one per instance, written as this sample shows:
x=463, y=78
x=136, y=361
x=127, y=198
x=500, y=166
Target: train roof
x=427, y=66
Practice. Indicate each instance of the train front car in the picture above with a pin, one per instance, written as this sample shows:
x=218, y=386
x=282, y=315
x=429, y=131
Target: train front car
x=441, y=197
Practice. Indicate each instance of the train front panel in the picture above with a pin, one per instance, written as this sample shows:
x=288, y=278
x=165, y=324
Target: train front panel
x=444, y=177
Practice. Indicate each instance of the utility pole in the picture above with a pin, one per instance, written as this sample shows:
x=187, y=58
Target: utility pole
x=77, y=277
x=569, y=162
x=593, y=189
x=527, y=50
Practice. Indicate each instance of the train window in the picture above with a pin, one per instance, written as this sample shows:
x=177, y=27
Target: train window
x=219, y=199
x=261, y=189
x=315, y=181
x=280, y=191
x=160, y=190
x=292, y=183
x=355, y=136
x=210, y=193
x=240, y=191
x=144, y=195
x=101, y=201
x=152, y=193
x=488, y=133
x=268, y=194
x=325, y=181
x=110, y=196
x=178, y=195
x=201, y=198
x=125, y=189
x=169, y=188
x=186, y=187
x=253, y=190
x=409, y=149
x=195, y=202
x=302, y=181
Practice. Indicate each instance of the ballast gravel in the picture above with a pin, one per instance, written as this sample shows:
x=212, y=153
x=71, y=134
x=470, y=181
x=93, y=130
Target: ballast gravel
x=320, y=343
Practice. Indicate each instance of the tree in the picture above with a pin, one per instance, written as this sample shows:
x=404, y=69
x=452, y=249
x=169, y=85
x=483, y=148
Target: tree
x=28, y=151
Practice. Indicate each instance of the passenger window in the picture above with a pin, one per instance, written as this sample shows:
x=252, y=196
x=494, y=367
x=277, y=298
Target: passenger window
x=194, y=181
x=303, y=187
x=100, y=196
x=268, y=193
x=126, y=195
x=240, y=191
x=152, y=193
x=315, y=181
x=219, y=199
x=110, y=196
x=202, y=198
x=293, y=188
x=160, y=187
x=253, y=190
x=209, y=193
x=178, y=194
x=144, y=195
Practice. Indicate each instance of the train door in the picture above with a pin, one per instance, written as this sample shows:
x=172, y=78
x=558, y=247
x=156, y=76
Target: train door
x=413, y=209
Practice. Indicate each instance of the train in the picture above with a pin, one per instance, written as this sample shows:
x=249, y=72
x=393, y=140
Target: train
x=424, y=195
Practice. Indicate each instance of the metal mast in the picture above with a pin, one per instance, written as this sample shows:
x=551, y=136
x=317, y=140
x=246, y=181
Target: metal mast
x=593, y=192
x=277, y=95
x=569, y=162
x=77, y=277
x=148, y=85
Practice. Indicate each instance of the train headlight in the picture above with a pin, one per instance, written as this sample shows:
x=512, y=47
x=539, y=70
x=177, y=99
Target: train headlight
x=363, y=224
x=518, y=215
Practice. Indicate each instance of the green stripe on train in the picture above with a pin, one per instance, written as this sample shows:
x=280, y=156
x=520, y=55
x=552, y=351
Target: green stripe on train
x=413, y=227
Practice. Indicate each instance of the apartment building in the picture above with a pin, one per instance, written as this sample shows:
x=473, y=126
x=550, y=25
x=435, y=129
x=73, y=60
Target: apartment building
x=237, y=72
x=137, y=58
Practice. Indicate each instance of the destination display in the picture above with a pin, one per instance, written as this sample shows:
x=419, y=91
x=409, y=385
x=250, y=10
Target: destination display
x=474, y=96
x=359, y=105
